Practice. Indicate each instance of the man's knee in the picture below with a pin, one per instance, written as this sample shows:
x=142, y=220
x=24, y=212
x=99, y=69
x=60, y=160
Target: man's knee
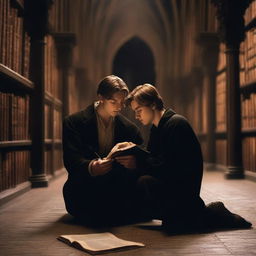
x=146, y=180
x=148, y=186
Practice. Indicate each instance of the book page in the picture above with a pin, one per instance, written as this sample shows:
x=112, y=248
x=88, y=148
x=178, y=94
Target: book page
x=100, y=241
x=120, y=147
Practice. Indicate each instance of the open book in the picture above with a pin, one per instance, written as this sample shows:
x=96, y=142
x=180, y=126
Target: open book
x=98, y=243
x=127, y=148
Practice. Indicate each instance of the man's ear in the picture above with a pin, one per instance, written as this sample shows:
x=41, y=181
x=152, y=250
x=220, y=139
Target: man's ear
x=153, y=106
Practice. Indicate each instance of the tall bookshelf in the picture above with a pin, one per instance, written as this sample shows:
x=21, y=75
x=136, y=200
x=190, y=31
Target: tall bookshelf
x=15, y=95
x=28, y=101
x=53, y=109
x=59, y=79
x=248, y=89
x=221, y=124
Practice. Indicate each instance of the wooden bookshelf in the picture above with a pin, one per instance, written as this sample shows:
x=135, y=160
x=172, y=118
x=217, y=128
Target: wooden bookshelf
x=249, y=132
x=48, y=141
x=15, y=80
x=51, y=99
x=201, y=136
x=31, y=91
x=221, y=135
x=221, y=71
x=15, y=94
x=248, y=88
x=56, y=141
x=14, y=144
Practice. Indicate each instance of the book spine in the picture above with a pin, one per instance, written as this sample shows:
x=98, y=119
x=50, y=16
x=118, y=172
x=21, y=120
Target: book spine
x=1, y=173
x=4, y=32
x=1, y=27
x=1, y=116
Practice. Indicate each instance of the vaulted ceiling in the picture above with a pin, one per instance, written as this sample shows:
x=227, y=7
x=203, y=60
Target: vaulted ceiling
x=168, y=28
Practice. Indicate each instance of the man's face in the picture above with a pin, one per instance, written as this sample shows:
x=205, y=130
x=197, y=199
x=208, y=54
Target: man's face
x=114, y=105
x=144, y=114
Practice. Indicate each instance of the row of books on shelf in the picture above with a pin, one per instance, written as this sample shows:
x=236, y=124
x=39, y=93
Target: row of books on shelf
x=193, y=114
x=57, y=124
x=14, y=117
x=221, y=65
x=52, y=79
x=15, y=168
x=248, y=106
x=221, y=102
x=58, y=156
x=250, y=13
x=53, y=160
x=248, y=58
x=53, y=122
x=204, y=119
x=47, y=121
x=48, y=158
x=59, y=15
x=248, y=109
x=249, y=153
x=14, y=41
x=221, y=152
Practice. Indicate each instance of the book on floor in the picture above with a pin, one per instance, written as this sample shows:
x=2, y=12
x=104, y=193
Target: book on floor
x=98, y=243
x=127, y=148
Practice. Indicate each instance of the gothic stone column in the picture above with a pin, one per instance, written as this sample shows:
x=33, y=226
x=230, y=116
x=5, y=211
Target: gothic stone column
x=209, y=43
x=230, y=15
x=65, y=43
x=36, y=21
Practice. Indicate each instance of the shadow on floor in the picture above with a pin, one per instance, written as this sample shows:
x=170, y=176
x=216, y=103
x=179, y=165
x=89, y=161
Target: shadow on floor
x=150, y=225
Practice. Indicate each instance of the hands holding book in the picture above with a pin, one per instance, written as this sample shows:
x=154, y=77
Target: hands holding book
x=101, y=166
x=117, y=153
x=128, y=162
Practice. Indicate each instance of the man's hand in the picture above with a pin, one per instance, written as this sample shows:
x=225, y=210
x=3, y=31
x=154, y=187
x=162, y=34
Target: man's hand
x=101, y=166
x=123, y=144
x=128, y=162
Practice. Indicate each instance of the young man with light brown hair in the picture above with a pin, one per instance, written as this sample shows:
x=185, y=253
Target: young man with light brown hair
x=171, y=176
x=100, y=191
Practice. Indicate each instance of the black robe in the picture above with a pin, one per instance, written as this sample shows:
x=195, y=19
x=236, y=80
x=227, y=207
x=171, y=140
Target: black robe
x=176, y=160
x=86, y=196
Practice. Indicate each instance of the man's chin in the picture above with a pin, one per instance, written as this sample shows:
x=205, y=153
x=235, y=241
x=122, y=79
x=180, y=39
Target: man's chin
x=115, y=113
x=144, y=123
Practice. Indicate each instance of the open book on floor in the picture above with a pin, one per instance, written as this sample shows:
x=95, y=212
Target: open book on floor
x=98, y=243
x=127, y=148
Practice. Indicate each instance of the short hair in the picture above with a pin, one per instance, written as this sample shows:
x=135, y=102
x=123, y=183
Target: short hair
x=146, y=95
x=110, y=85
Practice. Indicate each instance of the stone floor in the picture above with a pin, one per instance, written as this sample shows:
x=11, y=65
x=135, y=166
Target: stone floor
x=30, y=224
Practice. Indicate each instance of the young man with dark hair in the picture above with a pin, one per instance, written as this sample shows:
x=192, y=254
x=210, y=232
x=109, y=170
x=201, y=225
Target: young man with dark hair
x=99, y=191
x=171, y=176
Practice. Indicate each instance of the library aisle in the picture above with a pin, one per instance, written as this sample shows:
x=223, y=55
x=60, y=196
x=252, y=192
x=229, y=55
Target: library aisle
x=30, y=224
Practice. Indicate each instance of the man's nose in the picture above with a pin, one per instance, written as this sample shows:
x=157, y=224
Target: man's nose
x=119, y=107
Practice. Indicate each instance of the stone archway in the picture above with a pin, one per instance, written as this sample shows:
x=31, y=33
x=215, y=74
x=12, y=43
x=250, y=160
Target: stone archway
x=134, y=62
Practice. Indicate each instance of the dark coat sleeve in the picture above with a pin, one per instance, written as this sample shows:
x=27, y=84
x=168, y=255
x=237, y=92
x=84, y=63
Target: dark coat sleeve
x=75, y=157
